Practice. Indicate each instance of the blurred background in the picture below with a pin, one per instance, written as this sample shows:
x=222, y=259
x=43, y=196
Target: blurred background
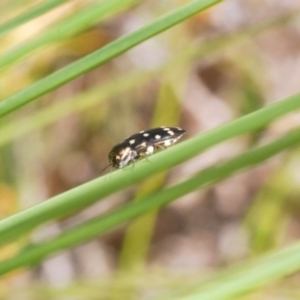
x=232, y=59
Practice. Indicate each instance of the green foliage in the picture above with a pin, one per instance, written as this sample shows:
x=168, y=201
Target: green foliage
x=101, y=56
x=145, y=205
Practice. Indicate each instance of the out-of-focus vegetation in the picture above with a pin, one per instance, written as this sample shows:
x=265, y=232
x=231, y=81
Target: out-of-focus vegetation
x=77, y=77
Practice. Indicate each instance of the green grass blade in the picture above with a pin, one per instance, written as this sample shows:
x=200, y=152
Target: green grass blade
x=34, y=12
x=102, y=55
x=69, y=106
x=148, y=204
x=253, y=275
x=269, y=205
x=139, y=233
x=86, y=194
x=67, y=28
x=46, y=116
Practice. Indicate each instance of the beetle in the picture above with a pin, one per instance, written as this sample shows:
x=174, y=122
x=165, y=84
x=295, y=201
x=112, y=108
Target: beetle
x=143, y=144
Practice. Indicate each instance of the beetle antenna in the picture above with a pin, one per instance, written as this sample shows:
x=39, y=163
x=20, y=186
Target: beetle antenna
x=105, y=168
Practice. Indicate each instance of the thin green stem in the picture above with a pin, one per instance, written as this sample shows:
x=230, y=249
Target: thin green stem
x=86, y=194
x=67, y=28
x=148, y=204
x=102, y=55
x=29, y=15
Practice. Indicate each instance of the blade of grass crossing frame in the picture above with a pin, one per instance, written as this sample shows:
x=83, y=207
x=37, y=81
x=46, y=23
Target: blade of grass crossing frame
x=98, y=226
x=139, y=233
x=67, y=28
x=102, y=55
x=29, y=15
x=71, y=201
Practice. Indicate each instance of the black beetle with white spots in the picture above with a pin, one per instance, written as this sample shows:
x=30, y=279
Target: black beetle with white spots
x=143, y=144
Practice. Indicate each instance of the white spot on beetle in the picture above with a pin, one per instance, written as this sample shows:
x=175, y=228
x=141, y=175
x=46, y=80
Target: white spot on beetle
x=168, y=143
x=150, y=150
x=146, y=134
x=132, y=141
x=170, y=132
x=157, y=136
